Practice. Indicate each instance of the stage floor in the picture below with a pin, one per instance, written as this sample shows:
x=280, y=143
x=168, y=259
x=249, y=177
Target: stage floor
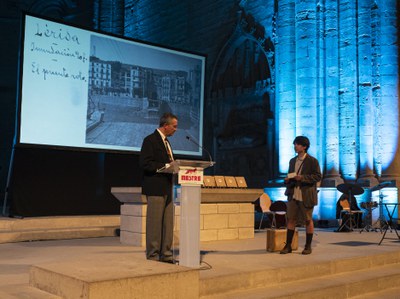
x=219, y=258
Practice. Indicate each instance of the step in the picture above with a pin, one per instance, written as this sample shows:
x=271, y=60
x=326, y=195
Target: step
x=282, y=275
x=120, y=276
x=13, y=224
x=58, y=227
x=344, y=285
x=57, y=234
x=19, y=291
x=390, y=293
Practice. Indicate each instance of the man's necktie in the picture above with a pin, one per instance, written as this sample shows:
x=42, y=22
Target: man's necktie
x=168, y=150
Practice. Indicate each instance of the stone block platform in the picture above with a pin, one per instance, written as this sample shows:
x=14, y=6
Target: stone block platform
x=58, y=227
x=225, y=214
x=121, y=276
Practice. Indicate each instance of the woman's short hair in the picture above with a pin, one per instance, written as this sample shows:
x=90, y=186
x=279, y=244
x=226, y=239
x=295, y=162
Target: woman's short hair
x=302, y=140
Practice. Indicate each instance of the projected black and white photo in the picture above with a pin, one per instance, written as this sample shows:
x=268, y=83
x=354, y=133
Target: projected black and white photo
x=131, y=86
x=89, y=90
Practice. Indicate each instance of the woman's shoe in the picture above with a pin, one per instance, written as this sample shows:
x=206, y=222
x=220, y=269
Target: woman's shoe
x=307, y=250
x=286, y=249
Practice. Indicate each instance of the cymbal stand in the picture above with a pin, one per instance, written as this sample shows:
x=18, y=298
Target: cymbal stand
x=368, y=219
x=381, y=221
x=351, y=219
x=368, y=206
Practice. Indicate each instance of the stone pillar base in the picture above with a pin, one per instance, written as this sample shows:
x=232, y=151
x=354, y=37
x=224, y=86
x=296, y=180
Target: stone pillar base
x=368, y=181
x=331, y=181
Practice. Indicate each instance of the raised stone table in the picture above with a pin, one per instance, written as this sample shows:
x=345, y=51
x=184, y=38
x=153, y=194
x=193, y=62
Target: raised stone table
x=225, y=214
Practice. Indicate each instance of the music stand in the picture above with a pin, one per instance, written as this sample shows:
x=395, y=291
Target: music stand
x=349, y=189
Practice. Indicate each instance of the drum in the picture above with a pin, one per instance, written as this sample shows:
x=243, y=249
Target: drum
x=369, y=205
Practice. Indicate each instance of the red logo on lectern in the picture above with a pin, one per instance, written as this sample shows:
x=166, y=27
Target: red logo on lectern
x=190, y=171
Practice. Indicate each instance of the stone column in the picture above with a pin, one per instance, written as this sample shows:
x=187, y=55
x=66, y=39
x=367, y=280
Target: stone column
x=348, y=104
x=109, y=16
x=389, y=88
x=331, y=105
x=306, y=72
x=366, y=113
x=320, y=86
x=285, y=82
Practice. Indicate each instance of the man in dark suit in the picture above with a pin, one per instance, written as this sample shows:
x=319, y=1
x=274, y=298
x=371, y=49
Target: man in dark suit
x=155, y=154
x=301, y=189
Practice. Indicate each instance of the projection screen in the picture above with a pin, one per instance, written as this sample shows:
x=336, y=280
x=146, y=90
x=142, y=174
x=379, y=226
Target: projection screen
x=89, y=90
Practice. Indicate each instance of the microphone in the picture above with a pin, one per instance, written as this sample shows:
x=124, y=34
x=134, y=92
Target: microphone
x=209, y=155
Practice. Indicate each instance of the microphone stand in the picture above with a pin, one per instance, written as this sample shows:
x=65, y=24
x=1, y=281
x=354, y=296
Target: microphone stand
x=196, y=143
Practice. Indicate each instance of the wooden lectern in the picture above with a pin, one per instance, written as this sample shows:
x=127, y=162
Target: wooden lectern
x=190, y=177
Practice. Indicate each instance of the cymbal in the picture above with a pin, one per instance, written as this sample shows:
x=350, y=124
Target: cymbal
x=381, y=185
x=346, y=188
